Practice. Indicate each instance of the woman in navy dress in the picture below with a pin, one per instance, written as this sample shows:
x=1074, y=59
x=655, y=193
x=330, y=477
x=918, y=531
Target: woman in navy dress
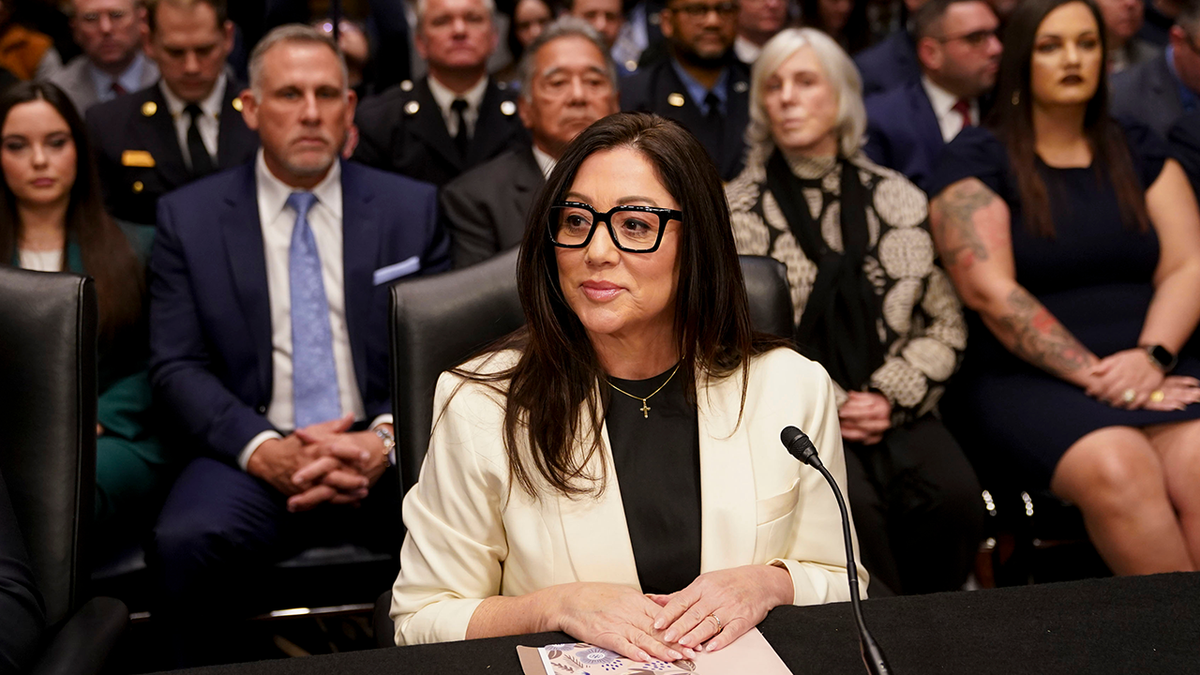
x=1077, y=248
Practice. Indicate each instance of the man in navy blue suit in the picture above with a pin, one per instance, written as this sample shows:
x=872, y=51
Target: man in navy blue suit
x=269, y=298
x=959, y=53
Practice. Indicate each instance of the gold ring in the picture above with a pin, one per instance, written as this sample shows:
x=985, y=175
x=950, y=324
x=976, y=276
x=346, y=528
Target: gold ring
x=718, y=620
x=1157, y=396
x=1128, y=395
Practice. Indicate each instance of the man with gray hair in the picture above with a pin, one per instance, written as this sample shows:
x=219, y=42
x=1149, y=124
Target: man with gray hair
x=269, y=296
x=185, y=126
x=112, y=63
x=453, y=118
x=1160, y=91
x=568, y=81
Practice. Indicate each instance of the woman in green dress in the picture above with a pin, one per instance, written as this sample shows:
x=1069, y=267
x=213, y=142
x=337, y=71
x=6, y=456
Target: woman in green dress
x=52, y=219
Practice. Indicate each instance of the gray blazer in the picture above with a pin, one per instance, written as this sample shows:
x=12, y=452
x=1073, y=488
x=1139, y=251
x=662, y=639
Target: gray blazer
x=485, y=208
x=75, y=79
x=1147, y=93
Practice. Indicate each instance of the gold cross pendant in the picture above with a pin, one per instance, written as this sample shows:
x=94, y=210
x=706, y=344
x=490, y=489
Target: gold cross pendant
x=645, y=409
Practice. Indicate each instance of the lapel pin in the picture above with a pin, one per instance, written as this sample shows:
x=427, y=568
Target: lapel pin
x=237, y=104
x=740, y=87
x=508, y=108
x=406, y=85
x=411, y=108
x=149, y=108
x=676, y=99
x=138, y=187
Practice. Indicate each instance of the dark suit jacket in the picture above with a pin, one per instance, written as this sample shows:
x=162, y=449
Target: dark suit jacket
x=485, y=208
x=654, y=88
x=130, y=124
x=1184, y=141
x=890, y=63
x=210, y=342
x=402, y=130
x=903, y=132
x=1148, y=93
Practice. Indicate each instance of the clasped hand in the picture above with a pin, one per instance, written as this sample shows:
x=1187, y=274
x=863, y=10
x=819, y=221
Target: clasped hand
x=321, y=463
x=864, y=417
x=1128, y=380
x=671, y=627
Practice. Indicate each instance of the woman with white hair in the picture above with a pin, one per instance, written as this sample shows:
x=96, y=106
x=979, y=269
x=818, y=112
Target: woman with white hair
x=870, y=305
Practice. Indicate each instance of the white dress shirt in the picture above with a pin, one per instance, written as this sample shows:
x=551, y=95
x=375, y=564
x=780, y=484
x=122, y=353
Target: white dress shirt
x=41, y=261
x=747, y=52
x=209, y=123
x=130, y=79
x=544, y=161
x=949, y=121
x=325, y=219
x=444, y=98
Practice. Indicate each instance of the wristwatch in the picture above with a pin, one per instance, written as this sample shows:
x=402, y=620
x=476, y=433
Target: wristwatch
x=1161, y=357
x=389, y=444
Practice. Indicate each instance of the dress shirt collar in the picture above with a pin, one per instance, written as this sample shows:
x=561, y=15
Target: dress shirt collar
x=747, y=52
x=444, y=97
x=273, y=193
x=211, y=105
x=544, y=161
x=130, y=79
x=943, y=103
x=698, y=92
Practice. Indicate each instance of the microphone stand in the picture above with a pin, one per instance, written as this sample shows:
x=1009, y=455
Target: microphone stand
x=801, y=447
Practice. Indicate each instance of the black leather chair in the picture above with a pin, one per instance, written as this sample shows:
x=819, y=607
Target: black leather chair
x=438, y=322
x=48, y=455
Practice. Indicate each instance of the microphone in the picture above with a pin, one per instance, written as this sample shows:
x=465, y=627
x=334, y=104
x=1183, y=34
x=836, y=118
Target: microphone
x=801, y=447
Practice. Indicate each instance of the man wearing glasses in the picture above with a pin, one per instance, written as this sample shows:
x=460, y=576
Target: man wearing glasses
x=112, y=62
x=959, y=54
x=701, y=85
x=1158, y=92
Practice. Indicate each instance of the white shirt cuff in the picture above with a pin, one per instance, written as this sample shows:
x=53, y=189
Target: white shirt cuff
x=382, y=419
x=244, y=457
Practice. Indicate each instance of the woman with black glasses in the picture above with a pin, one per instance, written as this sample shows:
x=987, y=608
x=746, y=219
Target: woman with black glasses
x=613, y=470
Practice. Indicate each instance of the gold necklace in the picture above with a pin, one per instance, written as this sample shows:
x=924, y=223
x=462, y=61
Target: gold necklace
x=645, y=407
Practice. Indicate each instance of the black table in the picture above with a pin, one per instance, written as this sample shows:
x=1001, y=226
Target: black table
x=1127, y=625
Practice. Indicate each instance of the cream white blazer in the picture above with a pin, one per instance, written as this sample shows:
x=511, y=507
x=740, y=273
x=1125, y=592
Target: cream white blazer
x=470, y=537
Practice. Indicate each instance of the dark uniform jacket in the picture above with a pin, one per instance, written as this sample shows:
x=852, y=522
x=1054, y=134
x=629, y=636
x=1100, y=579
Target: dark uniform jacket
x=890, y=63
x=138, y=153
x=659, y=90
x=403, y=131
x=485, y=209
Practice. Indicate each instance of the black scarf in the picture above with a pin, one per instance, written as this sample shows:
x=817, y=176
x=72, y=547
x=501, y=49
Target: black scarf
x=838, y=326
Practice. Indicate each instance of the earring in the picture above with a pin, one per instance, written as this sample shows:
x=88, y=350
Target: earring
x=1016, y=98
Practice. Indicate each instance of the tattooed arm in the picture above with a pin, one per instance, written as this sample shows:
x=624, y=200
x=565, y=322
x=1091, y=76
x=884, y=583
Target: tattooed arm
x=971, y=228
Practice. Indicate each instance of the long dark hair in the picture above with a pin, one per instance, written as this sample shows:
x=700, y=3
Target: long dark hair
x=1012, y=121
x=107, y=255
x=855, y=35
x=556, y=378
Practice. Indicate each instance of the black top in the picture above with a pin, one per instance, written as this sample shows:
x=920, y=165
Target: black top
x=656, y=455
x=1095, y=276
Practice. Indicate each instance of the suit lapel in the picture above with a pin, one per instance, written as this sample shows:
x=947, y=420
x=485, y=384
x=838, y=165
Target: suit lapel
x=360, y=243
x=527, y=179
x=595, y=531
x=242, y=232
x=728, y=518
x=737, y=108
x=430, y=127
x=929, y=131
x=235, y=141
x=159, y=137
x=491, y=131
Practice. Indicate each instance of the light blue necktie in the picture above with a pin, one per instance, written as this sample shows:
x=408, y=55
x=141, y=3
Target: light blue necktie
x=314, y=378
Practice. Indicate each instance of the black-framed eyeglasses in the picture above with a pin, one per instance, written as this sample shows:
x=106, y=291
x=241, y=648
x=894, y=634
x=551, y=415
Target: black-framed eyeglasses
x=976, y=38
x=698, y=10
x=636, y=229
